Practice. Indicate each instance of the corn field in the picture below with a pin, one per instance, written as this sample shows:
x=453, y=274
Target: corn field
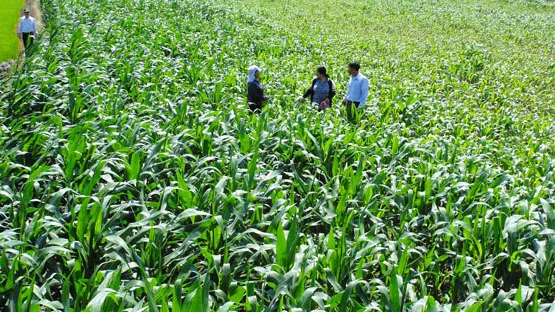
x=133, y=178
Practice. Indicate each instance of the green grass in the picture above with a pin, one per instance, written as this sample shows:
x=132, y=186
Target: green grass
x=133, y=177
x=9, y=17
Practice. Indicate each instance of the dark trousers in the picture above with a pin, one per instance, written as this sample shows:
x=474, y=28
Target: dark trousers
x=255, y=107
x=352, y=110
x=28, y=39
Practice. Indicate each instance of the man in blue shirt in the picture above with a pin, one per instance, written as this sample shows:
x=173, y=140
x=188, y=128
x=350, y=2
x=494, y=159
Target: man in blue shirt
x=357, y=91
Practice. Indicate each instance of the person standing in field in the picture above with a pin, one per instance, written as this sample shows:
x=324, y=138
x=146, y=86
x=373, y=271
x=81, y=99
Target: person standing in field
x=27, y=29
x=357, y=91
x=255, y=95
x=321, y=91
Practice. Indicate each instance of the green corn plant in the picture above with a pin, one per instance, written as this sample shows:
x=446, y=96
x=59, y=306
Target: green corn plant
x=133, y=177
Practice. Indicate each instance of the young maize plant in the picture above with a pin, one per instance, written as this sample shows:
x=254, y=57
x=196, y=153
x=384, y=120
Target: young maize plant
x=133, y=178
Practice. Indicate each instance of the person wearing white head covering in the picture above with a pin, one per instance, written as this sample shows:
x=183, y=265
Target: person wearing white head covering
x=255, y=95
x=253, y=73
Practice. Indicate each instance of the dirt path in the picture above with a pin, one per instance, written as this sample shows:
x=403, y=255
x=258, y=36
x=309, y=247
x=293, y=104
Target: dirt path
x=34, y=6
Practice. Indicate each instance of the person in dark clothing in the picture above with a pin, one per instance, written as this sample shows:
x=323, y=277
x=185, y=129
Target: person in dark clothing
x=321, y=91
x=255, y=96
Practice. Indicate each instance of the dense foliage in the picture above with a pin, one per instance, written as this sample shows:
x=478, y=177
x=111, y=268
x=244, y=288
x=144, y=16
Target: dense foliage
x=133, y=177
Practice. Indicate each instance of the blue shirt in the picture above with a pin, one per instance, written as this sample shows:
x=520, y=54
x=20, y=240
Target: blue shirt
x=27, y=25
x=358, y=89
x=321, y=91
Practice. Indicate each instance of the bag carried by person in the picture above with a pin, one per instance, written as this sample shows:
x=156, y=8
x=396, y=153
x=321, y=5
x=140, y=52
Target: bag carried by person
x=325, y=104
